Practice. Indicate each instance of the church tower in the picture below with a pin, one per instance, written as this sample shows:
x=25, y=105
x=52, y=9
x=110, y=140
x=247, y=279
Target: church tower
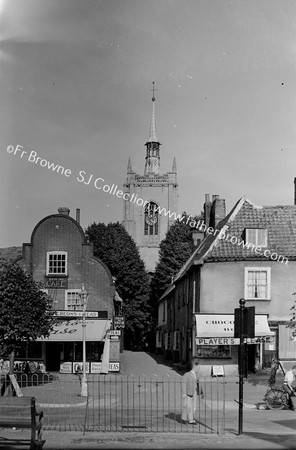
x=150, y=199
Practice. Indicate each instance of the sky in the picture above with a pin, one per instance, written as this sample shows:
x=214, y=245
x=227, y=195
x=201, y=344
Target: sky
x=76, y=79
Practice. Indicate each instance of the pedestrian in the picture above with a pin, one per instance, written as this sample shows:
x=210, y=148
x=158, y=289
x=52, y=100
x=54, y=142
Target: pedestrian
x=190, y=384
x=79, y=372
x=288, y=386
x=274, y=367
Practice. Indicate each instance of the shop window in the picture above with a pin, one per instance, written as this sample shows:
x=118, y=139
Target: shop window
x=56, y=263
x=176, y=340
x=74, y=301
x=163, y=311
x=29, y=350
x=257, y=283
x=213, y=351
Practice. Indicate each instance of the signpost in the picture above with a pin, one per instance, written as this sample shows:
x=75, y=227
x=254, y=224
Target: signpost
x=244, y=327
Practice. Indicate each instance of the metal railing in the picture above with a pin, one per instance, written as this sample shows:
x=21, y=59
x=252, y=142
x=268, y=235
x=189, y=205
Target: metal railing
x=125, y=403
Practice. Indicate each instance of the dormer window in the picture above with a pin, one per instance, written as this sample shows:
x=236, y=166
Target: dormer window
x=256, y=236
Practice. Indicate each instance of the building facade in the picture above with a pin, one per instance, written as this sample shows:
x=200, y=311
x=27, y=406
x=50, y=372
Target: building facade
x=147, y=198
x=250, y=254
x=60, y=258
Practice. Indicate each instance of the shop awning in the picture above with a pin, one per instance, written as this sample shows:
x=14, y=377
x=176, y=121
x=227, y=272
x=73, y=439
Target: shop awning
x=221, y=326
x=71, y=330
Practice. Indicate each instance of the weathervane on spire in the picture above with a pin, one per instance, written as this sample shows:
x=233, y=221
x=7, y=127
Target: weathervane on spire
x=153, y=90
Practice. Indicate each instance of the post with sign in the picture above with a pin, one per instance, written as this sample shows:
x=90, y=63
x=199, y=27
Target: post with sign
x=244, y=327
x=84, y=296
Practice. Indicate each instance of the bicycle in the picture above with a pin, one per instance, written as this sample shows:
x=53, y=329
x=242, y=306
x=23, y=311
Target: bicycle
x=276, y=398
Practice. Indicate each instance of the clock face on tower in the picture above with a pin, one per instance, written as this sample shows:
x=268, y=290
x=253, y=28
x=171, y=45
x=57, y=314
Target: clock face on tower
x=151, y=219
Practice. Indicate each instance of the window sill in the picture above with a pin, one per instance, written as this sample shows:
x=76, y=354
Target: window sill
x=55, y=275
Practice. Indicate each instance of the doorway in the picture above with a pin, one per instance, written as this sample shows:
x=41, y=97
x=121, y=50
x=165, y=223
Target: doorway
x=52, y=352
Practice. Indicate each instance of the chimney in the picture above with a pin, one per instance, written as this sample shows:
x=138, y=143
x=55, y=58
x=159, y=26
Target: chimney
x=218, y=211
x=207, y=209
x=196, y=237
x=78, y=215
x=64, y=210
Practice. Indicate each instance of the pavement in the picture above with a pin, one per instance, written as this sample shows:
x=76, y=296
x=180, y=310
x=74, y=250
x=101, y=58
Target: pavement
x=262, y=429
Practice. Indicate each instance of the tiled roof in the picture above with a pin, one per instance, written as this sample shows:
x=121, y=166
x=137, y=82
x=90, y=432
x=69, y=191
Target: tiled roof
x=280, y=221
x=10, y=253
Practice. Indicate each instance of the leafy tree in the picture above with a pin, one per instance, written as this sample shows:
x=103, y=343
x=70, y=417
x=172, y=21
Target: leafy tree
x=26, y=312
x=115, y=247
x=174, y=251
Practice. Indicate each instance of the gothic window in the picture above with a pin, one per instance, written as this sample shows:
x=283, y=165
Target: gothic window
x=151, y=219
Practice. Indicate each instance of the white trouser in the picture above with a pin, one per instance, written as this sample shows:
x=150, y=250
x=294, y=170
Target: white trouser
x=188, y=407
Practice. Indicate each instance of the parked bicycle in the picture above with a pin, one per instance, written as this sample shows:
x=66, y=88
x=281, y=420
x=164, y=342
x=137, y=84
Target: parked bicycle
x=276, y=398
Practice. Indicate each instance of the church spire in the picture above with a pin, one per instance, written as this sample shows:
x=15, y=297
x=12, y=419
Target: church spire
x=152, y=134
x=152, y=163
x=174, y=167
x=129, y=166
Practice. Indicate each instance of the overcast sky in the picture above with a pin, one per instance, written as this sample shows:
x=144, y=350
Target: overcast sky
x=75, y=88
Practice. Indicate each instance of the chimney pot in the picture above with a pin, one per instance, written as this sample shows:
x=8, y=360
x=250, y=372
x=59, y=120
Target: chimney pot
x=64, y=210
x=78, y=215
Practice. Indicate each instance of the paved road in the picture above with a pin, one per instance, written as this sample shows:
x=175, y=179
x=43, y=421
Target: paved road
x=262, y=428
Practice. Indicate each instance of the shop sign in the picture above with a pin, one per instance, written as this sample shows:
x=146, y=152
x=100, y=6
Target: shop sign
x=96, y=367
x=78, y=366
x=76, y=313
x=93, y=367
x=114, y=367
x=222, y=326
x=71, y=330
x=66, y=367
x=56, y=283
x=118, y=322
x=233, y=341
x=217, y=341
x=217, y=371
x=259, y=340
x=115, y=332
x=114, y=338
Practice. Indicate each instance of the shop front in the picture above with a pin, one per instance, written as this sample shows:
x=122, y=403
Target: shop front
x=63, y=349
x=215, y=342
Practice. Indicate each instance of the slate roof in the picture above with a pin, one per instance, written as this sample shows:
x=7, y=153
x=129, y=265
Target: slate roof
x=280, y=221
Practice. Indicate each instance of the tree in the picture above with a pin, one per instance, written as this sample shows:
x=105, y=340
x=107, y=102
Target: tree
x=115, y=247
x=174, y=250
x=26, y=312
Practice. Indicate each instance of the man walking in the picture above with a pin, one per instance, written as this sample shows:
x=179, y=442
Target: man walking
x=190, y=384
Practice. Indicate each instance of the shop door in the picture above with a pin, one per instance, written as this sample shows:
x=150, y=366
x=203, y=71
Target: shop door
x=52, y=352
x=251, y=358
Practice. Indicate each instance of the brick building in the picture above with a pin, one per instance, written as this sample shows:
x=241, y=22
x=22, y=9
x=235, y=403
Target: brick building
x=61, y=259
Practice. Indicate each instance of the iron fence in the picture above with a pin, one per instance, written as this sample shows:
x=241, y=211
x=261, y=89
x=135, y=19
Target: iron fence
x=125, y=403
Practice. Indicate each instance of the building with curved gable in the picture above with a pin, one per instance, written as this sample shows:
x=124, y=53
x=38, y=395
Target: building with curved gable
x=61, y=259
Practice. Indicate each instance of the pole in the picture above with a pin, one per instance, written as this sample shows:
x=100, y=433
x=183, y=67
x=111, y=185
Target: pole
x=241, y=364
x=84, y=379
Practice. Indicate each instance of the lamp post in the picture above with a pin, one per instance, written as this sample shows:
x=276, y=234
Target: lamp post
x=84, y=296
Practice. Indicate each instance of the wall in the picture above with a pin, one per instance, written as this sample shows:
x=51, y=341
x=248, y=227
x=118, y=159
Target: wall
x=222, y=285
